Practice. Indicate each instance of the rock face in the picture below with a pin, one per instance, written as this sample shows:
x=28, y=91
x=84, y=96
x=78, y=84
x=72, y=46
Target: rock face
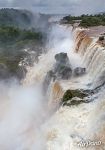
x=49, y=76
x=64, y=72
x=101, y=38
x=62, y=58
x=74, y=97
x=74, y=101
x=21, y=72
x=62, y=67
x=61, y=70
x=79, y=71
x=4, y=72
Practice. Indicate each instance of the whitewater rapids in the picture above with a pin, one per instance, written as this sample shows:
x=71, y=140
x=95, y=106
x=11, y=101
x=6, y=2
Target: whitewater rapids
x=25, y=119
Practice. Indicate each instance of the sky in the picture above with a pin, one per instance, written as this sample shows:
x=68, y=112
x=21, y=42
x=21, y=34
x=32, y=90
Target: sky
x=75, y=7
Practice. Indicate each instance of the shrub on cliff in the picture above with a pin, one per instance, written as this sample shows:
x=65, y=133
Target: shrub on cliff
x=74, y=97
x=73, y=93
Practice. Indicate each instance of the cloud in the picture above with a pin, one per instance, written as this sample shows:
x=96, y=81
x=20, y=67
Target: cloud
x=58, y=6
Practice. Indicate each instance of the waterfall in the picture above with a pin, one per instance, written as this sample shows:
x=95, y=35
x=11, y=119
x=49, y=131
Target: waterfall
x=92, y=55
x=31, y=120
x=71, y=127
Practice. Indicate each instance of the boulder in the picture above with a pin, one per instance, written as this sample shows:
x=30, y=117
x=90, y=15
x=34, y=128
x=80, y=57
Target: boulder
x=101, y=38
x=79, y=71
x=62, y=58
x=64, y=72
x=61, y=70
x=62, y=67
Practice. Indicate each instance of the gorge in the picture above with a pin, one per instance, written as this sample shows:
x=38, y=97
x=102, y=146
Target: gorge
x=33, y=120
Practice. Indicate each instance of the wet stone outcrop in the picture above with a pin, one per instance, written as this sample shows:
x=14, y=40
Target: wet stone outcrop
x=61, y=70
x=49, y=76
x=62, y=67
x=79, y=71
x=74, y=101
x=4, y=72
x=75, y=97
x=21, y=72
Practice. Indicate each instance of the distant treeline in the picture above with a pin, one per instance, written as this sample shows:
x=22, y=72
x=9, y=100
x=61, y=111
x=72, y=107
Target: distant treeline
x=86, y=20
x=15, y=17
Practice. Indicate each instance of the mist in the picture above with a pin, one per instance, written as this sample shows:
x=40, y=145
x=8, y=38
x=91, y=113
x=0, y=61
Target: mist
x=22, y=111
x=23, y=108
x=61, y=40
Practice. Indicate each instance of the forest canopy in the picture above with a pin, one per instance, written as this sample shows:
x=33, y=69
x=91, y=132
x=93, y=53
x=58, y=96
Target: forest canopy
x=86, y=20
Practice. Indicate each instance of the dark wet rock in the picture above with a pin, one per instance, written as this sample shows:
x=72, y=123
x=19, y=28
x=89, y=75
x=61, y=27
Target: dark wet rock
x=101, y=38
x=74, y=101
x=4, y=72
x=21, y=72
x=74, y=97
x=49, y=76
x=62, y=58
x=63, y=72
x=74, y=93
x=79, y=71
x=62, y=67
x=89, y=99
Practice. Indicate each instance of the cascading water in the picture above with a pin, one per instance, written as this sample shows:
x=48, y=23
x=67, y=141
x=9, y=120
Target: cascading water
x=25, y=119
x=24, y=108
x=82, y=127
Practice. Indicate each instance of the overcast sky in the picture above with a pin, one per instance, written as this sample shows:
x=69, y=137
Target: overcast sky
x=75, y=7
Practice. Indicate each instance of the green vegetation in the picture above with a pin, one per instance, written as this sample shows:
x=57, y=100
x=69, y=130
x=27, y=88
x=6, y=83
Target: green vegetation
x=9, y=35
x=16, y=34
x=86, y=20
x=73, y=93
x=73, y=97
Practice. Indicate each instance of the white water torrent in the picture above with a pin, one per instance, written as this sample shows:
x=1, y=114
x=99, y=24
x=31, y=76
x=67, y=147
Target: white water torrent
x=25, y=119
